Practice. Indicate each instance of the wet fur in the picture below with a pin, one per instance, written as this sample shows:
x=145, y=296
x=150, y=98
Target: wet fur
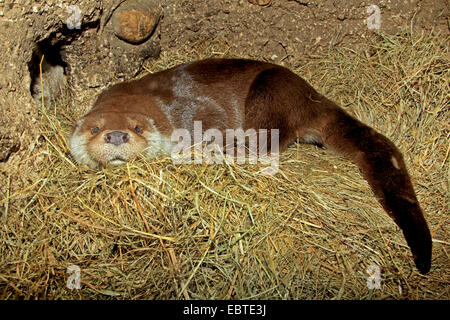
x=237, y=93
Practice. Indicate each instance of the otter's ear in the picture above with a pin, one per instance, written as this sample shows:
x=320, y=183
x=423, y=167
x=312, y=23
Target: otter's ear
x=151, y=122
x=78, y=124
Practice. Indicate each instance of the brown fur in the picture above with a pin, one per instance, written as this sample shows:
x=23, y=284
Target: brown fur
x=233, y=93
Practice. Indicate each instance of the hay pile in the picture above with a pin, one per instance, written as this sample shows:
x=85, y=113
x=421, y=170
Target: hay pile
x=153, y=230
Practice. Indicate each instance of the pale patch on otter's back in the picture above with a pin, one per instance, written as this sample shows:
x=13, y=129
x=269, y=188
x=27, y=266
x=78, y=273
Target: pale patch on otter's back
x=188, y=102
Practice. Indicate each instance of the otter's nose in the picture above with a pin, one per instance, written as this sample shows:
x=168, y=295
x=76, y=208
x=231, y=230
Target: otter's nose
x=117, y=137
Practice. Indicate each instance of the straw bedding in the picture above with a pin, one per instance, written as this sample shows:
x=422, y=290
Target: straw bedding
x=155, y=230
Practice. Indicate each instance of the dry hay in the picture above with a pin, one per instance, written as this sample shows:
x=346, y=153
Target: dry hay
x=154, y=230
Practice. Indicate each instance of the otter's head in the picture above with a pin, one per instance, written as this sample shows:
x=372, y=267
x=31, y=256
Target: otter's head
x=102, y=138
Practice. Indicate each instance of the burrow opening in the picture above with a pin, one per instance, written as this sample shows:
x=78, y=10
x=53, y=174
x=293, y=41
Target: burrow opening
x=47, y=57
x=47, y=70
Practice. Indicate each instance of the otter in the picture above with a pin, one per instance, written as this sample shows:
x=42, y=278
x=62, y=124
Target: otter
x=139, y=116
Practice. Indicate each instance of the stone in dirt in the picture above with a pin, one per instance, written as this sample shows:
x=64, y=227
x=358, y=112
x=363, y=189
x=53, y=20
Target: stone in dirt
x=134, y=21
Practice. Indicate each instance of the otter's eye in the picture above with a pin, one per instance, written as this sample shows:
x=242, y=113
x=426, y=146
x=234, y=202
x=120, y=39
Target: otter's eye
x=138, y=129
x=95, y=130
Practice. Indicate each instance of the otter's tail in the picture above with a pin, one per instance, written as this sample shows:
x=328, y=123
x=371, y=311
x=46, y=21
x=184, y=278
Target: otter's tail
x=383, y=167
x=277, y=94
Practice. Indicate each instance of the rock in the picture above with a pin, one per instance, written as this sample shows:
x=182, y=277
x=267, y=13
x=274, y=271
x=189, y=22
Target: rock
x=133, y=26
x=135, y=20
